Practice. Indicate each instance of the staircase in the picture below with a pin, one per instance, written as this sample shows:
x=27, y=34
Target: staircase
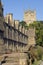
x=15, y=59
x=11, y=60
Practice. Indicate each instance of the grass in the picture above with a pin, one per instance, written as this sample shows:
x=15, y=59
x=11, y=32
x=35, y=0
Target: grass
x=36, y=62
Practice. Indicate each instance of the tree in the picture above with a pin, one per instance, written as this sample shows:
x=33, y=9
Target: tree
x=35, y=54
x=23, y=23
x=39, y=32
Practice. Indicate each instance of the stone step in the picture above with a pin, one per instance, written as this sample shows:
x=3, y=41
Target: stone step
x=15, y=59
x=11, y=61
x=10, y=64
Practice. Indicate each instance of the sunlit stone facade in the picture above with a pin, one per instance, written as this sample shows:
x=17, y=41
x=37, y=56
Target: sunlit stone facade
x=29, y=16
x=14, y=40
x=13, y=36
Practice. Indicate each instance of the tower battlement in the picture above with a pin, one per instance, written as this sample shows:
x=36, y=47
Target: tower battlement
x=29, y=16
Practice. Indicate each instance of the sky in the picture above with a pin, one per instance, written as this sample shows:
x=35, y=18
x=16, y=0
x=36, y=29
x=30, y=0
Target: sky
x=17, y=8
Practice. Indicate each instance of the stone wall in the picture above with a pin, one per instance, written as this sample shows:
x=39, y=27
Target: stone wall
x=31, y=36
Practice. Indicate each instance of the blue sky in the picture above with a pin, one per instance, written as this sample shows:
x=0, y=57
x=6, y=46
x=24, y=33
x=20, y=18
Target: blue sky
x=17, y=7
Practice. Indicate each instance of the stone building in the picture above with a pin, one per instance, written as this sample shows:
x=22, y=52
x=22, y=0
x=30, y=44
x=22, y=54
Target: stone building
x=1, y=27
x=12, y=35
x=14, y=38
x=29, y=16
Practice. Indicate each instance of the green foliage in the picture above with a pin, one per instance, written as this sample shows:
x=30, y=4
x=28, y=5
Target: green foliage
x=39, y=55
x=23, y=23
x=36, y=63
x=40, y=52
x=39, y=32
x=36, y=54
